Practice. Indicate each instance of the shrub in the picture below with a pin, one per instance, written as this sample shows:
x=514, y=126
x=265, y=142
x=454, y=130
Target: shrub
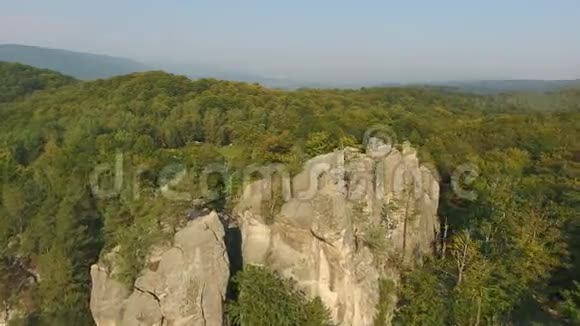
x=266, y=299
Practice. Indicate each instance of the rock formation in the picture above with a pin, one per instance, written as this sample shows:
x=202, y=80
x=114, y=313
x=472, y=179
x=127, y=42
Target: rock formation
x=184, y=284
x=348, y=220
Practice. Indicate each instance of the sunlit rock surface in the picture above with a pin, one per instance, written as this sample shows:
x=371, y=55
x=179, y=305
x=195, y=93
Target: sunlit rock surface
x=318, y=236
x=184, y=284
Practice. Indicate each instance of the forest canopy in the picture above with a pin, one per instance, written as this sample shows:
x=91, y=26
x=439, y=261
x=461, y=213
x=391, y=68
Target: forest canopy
x=520, y=234
x=18, y=80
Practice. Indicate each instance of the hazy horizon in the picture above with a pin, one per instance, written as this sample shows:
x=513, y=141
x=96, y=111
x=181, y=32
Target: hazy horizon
x=321, y=42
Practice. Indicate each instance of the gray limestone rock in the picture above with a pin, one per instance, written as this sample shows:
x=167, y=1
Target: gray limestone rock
x=318, y=237
x=184, y=284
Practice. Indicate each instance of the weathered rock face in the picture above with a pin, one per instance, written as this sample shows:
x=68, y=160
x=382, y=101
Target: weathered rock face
x=185, y=284
x=348, y=220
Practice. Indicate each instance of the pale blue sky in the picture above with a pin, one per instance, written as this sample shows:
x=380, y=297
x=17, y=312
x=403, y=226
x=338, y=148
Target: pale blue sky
x=318, y=40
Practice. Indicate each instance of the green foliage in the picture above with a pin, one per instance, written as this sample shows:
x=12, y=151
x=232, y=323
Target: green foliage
x=423, y=298
x=18, y=80
x=570, y=307
x=523, y=225
x=504, y=257
x=319, y=143
x=387, y=300
x=370, y=234
x=267, y=299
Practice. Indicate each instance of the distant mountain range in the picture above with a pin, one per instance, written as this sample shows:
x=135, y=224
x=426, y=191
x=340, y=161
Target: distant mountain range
x=75, y=64
x=92, y=66
x=505, y=86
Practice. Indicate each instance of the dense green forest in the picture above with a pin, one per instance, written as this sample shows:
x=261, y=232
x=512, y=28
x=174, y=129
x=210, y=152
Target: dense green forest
x=511, y=252
x=17, y=81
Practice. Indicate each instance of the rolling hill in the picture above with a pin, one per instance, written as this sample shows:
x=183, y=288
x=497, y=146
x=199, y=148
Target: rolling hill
x=17, y=80
x=87, y=66
x=76, y=64
x=515, y=85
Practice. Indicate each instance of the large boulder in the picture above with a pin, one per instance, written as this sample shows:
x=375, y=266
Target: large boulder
x=184, y=284
x=351, y=219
